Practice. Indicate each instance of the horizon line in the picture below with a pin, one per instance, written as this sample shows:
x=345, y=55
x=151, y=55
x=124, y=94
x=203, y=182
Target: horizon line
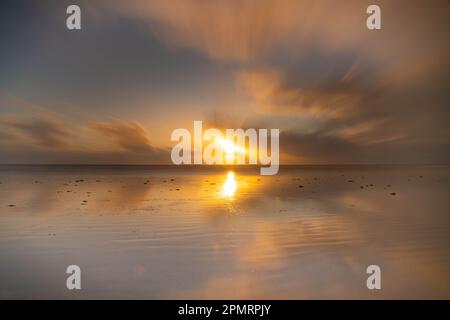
x=222, y=165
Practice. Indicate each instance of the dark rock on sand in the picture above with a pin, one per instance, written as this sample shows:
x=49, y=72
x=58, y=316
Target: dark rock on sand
x=393, y=193
x=300, y=186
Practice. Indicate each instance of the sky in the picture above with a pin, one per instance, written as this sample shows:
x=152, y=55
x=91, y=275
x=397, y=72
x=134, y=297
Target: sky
x=112, y=92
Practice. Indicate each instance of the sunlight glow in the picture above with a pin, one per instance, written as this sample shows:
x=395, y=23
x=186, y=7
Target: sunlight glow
x=230, y=150
x=228, y=146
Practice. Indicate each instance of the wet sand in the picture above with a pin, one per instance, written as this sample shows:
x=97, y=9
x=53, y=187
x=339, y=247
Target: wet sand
x=169, y=232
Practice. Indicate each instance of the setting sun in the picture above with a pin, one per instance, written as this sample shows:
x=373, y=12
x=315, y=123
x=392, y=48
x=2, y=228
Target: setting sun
x=228, y=146
x=230, y=149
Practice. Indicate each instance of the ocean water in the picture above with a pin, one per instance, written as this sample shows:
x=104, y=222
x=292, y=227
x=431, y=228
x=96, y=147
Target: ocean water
x=156, y=232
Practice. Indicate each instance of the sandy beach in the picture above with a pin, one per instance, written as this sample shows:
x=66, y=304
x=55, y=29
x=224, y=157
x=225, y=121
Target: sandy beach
x=157, y=232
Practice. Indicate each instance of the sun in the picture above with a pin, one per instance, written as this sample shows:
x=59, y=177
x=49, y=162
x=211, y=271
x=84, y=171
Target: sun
x=230, y=150
x=228, y=146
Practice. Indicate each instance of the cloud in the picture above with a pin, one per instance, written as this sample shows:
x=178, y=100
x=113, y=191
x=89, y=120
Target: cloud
x=44, y=139
x=313, y=69
x=43, y=132
x=127, y=135
x=248, y=30
x=333, y=108
x=338, y=95
x=291, y=90
x=336, y=90
x=322, y=148
x=223, y=30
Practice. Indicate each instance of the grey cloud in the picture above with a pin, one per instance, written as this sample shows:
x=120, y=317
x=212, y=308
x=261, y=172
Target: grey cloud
x=129, y=136
x=48, y=133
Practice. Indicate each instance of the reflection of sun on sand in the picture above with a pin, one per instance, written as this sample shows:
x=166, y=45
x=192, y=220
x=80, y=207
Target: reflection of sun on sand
x=229, y=187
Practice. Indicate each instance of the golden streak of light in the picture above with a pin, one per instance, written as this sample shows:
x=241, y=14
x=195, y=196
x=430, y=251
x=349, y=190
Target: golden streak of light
x=230, y=185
